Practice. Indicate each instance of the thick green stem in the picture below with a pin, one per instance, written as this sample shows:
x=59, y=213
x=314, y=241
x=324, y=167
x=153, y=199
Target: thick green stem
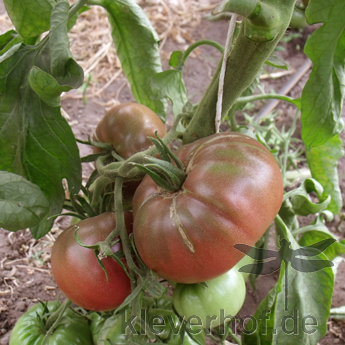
x=245, y=60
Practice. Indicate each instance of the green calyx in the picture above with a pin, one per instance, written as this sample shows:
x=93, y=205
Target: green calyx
x=164, y=173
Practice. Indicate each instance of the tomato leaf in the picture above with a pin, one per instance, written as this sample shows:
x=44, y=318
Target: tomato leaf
x=31, y=18
x=312, y=236
x=301, y=203
x=322, y=161
x=6, y=38
x=176, y=59
x=22, y=203
x=170, y=84
x=36, y=142
x=322, y=97
x=275, y=61
x=136, y=44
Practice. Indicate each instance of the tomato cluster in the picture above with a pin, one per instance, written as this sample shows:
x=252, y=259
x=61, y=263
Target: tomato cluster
x=231, y=193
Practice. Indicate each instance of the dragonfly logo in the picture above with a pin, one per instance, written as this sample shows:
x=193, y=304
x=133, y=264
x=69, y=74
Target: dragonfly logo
x=269, y=261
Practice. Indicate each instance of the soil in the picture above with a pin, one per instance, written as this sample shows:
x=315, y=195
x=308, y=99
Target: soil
x=25, y=274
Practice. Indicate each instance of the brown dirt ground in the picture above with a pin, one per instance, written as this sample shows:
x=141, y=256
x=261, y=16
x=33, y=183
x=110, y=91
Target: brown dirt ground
x=25, y=274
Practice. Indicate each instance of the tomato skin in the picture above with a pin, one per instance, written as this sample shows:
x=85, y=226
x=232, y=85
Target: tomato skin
x=232, y=192
x=226, y=292
x=127, y=128
x=73, y=329
x=77, y=272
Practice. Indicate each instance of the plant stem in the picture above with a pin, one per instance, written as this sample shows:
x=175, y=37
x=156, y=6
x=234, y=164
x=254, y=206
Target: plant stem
x=121, y=229
x=235, y=337
x=199, y=43
x=96, y=189
x=245, y=60
x=244, y=100
x=232, y=117
x=54, y=319
x=76, y=7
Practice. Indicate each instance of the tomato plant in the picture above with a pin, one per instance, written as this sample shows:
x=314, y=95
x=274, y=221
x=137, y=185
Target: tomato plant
x=31, y=328
x=209, y=306
x=77, y=271
x=232, y=192
x=219, y=190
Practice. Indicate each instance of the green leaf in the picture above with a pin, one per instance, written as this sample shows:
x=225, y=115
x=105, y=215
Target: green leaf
x=322, y=97
x=46, y=86
x=301, y=203
x=22, y=203
x=30, y=17
x=6, y=38
x=322, y=161
x=59, y=46
x=10, y=49
x=275, y=61
x=317, y=232
x=136, y=45
x=176, y=59
x=309, y=302
x=170, y=84
x=36, y=142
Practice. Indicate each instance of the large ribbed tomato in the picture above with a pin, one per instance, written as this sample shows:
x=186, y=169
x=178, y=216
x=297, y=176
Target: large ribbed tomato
x=77, y=271
x=232, y=192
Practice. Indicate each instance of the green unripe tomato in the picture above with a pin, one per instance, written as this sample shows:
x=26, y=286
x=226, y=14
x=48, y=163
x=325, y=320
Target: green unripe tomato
x=208, y=306
x=29, y=330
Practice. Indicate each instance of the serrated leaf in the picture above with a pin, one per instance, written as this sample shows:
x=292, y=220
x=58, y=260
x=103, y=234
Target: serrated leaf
x=170, y=84
x=275, y=61
x=22, y=203
x=30, y=17
x=322, y=161
x=136, y=44
x=322, y=96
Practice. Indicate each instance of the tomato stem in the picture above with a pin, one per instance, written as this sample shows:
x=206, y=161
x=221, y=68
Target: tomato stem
x=246, y=59
x=121, y=230
x=54, y=319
